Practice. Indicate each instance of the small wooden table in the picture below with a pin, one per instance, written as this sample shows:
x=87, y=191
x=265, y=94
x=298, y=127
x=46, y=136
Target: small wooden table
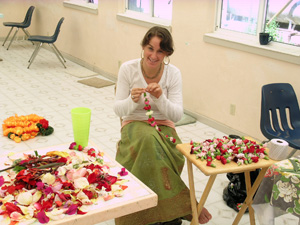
x=212, y=172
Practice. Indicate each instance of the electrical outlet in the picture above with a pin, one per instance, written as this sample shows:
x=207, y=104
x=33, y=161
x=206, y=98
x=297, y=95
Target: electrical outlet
x=232, y=109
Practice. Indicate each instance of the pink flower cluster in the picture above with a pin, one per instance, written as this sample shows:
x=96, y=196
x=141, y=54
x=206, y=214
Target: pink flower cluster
x=151, y=119
x=226, y=149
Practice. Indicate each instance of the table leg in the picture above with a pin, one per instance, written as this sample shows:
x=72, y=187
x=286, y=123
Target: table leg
x=249, y=197
x=206, y=192
x=192, y=193
x=248, y=188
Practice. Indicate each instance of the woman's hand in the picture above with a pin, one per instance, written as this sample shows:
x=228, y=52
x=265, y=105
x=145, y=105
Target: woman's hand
x=154, y=89
x=136, y=94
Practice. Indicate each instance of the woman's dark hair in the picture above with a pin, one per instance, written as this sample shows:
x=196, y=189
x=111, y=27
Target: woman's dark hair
x=166, y=43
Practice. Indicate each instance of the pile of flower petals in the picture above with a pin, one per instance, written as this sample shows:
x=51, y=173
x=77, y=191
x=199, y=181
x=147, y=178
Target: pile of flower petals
x=70, y=189
x=226, y=149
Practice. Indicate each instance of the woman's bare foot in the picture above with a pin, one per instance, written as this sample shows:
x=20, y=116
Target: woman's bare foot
x=204, y=217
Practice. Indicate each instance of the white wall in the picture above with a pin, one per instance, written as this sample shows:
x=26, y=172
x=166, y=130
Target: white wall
x=214, y=77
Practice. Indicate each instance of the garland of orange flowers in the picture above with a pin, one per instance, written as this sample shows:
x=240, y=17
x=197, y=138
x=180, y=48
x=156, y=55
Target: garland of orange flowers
x=21, y=128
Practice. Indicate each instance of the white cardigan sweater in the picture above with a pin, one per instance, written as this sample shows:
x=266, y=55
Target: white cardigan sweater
x=167, y=107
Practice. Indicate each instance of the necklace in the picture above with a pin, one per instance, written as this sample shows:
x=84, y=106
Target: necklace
x=144, y=73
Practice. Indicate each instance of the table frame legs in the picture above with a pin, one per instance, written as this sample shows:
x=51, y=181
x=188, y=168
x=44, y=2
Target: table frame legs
x=249, y=199
x=197, y=208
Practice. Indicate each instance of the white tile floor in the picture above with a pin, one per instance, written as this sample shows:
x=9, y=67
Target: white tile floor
x=51, y=91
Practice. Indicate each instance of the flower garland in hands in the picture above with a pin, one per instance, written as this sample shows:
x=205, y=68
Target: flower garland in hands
x=151, y=119
x=226, y=149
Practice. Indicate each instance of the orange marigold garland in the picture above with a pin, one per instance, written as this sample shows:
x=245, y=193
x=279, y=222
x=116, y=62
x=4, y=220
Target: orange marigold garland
x=22, y=128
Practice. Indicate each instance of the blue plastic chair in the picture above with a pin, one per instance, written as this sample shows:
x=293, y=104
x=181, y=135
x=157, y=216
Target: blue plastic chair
x=49, y=40
x=23, y=25
x=280, y=114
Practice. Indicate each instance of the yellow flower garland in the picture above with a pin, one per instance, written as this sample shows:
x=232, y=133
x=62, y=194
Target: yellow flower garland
x=21, y=128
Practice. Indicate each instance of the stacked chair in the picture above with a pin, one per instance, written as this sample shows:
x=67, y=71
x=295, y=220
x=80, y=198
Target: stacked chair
x=40, y=40
x=23, y=25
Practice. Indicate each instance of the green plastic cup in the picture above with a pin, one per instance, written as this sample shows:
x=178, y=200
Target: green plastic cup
x=81, y=118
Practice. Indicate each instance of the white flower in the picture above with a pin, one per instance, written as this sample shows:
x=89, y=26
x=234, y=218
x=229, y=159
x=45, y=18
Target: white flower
x=149, y=113
x=295, y=179
x=8, y=198
x=61, y=170
x=24, y=198
x=81, y=183
x=48, y=178
x=36, y=196
x=81, y=195
x=16, y=216
x=56, y=214
x=28, y=211
x=287, y=191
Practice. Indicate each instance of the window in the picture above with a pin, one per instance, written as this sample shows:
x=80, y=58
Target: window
x=152, y=8
x=151, y=12
x=90, y=6
x=279, y=18
x=240, y=16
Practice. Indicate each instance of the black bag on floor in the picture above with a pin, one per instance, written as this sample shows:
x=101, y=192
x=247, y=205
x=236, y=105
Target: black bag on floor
x=235, y=193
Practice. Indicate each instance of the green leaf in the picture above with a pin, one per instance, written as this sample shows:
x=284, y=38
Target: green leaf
x=290, y=210
x=267, y=199
x=275, y=192
x=18, y=168
x=285, y=179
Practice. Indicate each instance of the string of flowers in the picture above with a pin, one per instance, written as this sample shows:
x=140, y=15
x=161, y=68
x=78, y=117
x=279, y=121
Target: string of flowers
x=22, y=128
x=226, y=149
x=151, y=119
x=59, y=183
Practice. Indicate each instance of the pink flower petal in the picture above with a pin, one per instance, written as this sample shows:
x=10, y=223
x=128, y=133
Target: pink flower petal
x=1, y=181
x=72, y=209
x=41, y=216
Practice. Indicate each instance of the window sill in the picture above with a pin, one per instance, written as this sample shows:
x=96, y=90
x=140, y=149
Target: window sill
x=142, y=21
x=82, y=6
x=250, y=43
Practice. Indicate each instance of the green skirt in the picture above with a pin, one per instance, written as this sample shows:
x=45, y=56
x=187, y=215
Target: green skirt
x=155, y=161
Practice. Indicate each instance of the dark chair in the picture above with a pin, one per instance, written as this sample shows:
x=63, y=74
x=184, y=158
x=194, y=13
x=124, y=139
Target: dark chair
x=23, y=25
x=280, y=114
x=49, y=40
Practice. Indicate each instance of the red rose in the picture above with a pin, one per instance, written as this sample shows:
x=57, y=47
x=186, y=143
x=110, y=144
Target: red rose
x=255, y=159
x=44, y=123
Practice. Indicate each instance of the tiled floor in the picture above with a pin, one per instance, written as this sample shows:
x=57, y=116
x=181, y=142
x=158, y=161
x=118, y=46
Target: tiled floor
x=49, y=90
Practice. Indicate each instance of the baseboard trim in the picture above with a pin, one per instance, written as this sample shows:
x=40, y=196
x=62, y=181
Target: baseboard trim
x=214, y=124
x=80, y=62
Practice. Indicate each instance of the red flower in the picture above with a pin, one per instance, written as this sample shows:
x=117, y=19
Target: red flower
x=10, y=208
x=151, y=119
x=72, y=209
x=92, y=178
x=26, y=177
x=90, y=194
x=255, y=159
x=123, y=172
x=44, y=123
x=92, y=152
